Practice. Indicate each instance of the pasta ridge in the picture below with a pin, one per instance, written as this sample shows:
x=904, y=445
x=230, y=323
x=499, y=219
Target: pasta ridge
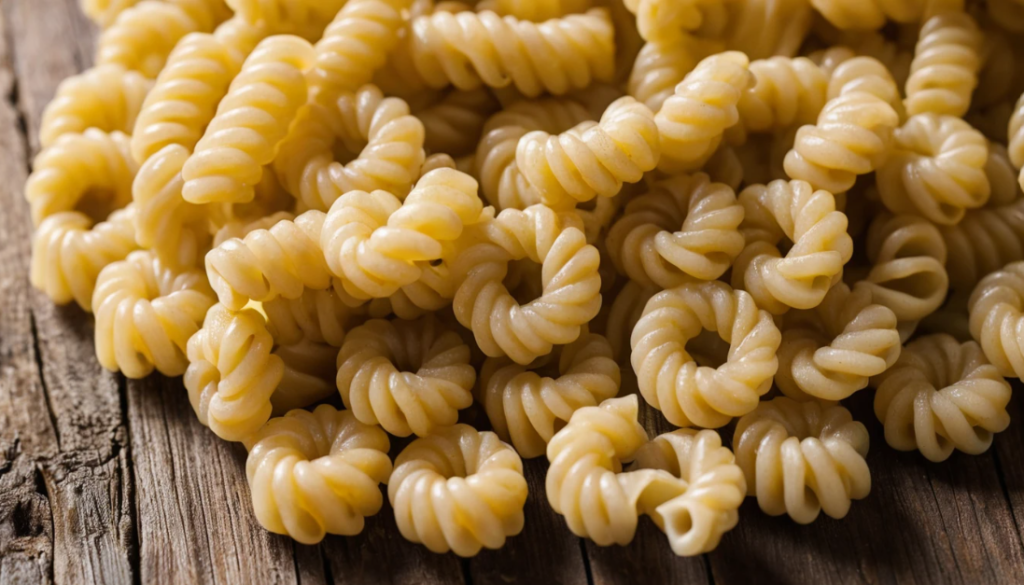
x=947, y=61
x=107, y=97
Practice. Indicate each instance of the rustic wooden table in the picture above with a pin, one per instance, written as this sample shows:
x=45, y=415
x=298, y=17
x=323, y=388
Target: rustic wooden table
x=107, y=480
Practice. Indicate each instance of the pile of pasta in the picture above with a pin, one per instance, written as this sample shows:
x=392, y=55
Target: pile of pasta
x=755, y=208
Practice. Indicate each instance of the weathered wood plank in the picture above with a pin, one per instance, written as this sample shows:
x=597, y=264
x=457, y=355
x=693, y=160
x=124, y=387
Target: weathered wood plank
x=1009, y=446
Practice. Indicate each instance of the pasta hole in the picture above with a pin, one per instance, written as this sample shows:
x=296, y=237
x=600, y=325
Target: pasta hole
x=708, y=349
x=524, y=282
x=679, y=523
x=98, y=204
x=811, y=498
x=920, y=285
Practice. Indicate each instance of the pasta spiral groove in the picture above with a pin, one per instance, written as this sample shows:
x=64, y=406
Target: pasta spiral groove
x=946, y=64
x=996, y=315
x=107, y=98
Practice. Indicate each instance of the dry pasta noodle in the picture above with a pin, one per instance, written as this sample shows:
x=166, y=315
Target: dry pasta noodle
x=661, y=66
x=623, y=314
x=455, y=123
x=105, y=12
x=1008, y=14
x=108, y=98
x=285, y=13
x=872, y=14
x=1016, y=138
x=787, y=93
x=995, y=310
x=983, y=242
x=318, y=316
x=945, y=68
x=768, y=28
x=535, y=10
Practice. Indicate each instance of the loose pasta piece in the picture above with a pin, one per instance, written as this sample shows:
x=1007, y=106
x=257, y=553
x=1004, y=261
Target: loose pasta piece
x=942, y=395
x=802, y=458
x=872, y=14
x=527, y=408
x=1015, y=133
x=458, y=490
x=768, y=28
x=622, y=317
x=410, y=377
x=240, y=36
x=983, y=242
x=145, y=315
x=105, y=12
x=648, y=245
x=661, y=66
x=996, y=315
x=69, y=250
x=660, y=20
x=693, y=120
x=384, y=141
x=318, y=316
x=455, y=123
x=286, y=13
x=669, y=377
x=534, y=10
x=316, y=473
x=787, y=93
x=821, y=245
x=570, y=281
x=945, y=68
x=832, y=350
x=250, y=123
x=308, y=378
x=108, y=98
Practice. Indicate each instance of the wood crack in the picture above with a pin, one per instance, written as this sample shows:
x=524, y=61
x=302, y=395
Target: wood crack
x=42, y=379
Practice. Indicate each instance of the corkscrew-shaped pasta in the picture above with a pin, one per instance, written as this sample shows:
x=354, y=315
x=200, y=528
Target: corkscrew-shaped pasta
x=469, y=49
x=527, y=408
x=996, y=313
x=670, y=379
x=695, y=520
x=286, y=13
x=787, y=93
x=660, y=20
x=250, y=123
x=942, y=395
x=240, y=36
x=185, y=96
x=936, y=169
x=648, y=245
x=1015, y=137
x=767, y=28
x=410, y=377
x=383, y=139
x=821, y=245
x=831, y=351
x=317, y=473
x=872, y=14
x=853, y=133
x=107, y=98
x=535, y=10
x=983, y=242
x=946, y=64
x=455, y=123
x=267, y=263
x=377, y=244
x=801, y=458
x=318, y=316
x=693, y=120
x=90, y=172
x=622, y=316
x=145, y=315
x=570, y=281
x=591, y=159
x=661, y=66
x=105, y=12
x=69, y=251
x=458, y=490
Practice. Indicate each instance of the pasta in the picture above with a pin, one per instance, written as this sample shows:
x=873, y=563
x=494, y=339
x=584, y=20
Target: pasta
x=983, y=242
x=534, y=10
x=250, y=122
x=995, y=310
x=802, y=458
x=821, y=245
x=410, y=377
x=692, y=121
x=658, y=20
x=832, y=350
x=571, y=284
x=455, y=123
x=313, y=473
x=946, y=64
x=145, y=315
x=872, y=14
x=105, y=12
x=787, y=93
x=625, y=311
x=647, y=245
x=384, y=140
x=526, y=407
x=669, y=378
x=1016, y=138
x=458, y=490
x=308, y=377
x=107, y=98
x=942, y=395
x=318, y=316
x=279, y=13
x=768, y=28
x=661, y=66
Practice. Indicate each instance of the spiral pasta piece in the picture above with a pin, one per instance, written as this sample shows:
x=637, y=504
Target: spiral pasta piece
x=659, y=20
x=832, y=350
x=107, y=98
x=535, y=10
x=286, y=13
x=145, y=315
x=946, y=64
x=250, y=123
x=469, y=49
x=410, y=377
x=318, y=316
x=1015, y=133
x=622, y=316
x=942, y=395
x=983, y=242
x=872, y=14
x=996, y=314
x=527, y=408
x=105, y=12
x=821, y=245
x=455, y=123
x=317, y=473
x=458, y=490
x=787, y=92
x=571, y=284
x=768, y=28
x=802, y=458
x=692, y=121
x=661, y=66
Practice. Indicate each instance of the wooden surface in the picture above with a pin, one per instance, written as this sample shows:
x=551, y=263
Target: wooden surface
x=104, y=480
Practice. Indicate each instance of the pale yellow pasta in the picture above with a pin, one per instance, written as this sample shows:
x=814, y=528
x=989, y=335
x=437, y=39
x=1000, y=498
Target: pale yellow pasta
x=695, y=520
x=469, y=49
x=535, y=10
x=145, y=314
x=384, y=141
x=622, y=316
x=659, y=20
x=661, y=66
x=69, y=249
x=90, y=172
x=107, y=98
x=377, y=244
x=1015, y=135
x=945, y=68
x=685, y=228
x=821, y=245
x=853, y=133
x=571, y=284
x=526, y=408
x=936, y=169
x=767, y=28
x=829, y=352
x=251, y=121
x=671, y=380
x=308, y=377
x=455, y=123
x=458, y=490
x=984, y=241
x=942, y=395
x=891, y=53
x=592, y=159
x=788, y=92
x=318, y=316
x=317, y=473
x=1002, y=176
x=105, y=12
x=802, y=458
x=995, y=307
x=240, y=36
x=286, y=13
x=872, y=14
